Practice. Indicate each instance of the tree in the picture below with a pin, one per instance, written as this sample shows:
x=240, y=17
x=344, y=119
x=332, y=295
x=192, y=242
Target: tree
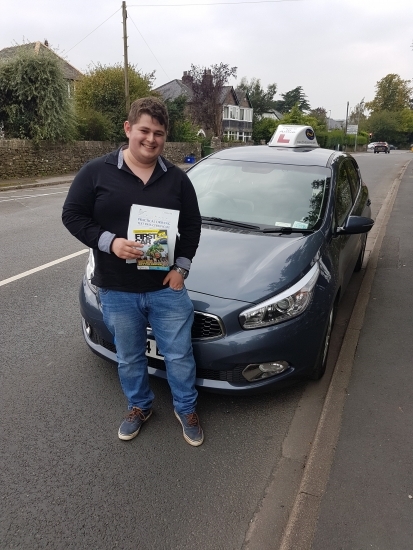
x=384, y=126
x=261, y=101
x=180, y=127
x=296, y=116
x=93, y=125
x=263, y=129
x=357, y=115
x=320, y=114
x=207, y=86
x=34, y=101
x=103, y=90
x=394, y=127
x=392, y=94
x=292, y=98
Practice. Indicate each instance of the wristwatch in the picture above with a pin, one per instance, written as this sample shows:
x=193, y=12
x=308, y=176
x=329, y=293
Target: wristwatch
x=181, y=270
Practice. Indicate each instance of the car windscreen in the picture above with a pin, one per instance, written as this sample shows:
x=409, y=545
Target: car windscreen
x=261, y=193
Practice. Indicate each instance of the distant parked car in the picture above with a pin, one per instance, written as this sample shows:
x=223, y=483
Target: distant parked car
x=381, y=147
x=392, y=147
x=370, y=147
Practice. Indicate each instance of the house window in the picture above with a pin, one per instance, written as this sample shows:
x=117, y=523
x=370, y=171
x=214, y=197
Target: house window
x=226, y=112
x=247, y=115
x=242, y=114
x=233, y=113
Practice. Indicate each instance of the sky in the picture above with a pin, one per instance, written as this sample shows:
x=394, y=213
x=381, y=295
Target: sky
x=336, y=50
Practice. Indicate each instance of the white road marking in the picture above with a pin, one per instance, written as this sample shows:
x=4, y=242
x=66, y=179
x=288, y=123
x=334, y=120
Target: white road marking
x=41, y=267
x=20, y=197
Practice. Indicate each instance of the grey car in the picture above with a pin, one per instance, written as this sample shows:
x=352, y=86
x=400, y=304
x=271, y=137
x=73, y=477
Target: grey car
x=284, y=227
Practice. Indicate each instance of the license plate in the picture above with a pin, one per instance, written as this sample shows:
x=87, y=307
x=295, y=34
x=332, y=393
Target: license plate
x=152, y=350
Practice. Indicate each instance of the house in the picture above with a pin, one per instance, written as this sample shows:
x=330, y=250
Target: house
x=71, y=74
x=273, y=114
x=335, y=124
x=235, y=106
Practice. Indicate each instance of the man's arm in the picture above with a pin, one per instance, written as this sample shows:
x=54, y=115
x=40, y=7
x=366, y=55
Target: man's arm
x=77, y=214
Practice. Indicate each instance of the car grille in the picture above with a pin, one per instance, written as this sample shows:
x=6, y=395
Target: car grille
x=205, y=326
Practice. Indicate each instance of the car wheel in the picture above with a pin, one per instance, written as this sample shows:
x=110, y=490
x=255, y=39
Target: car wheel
x=360, y=259
x=320, y=366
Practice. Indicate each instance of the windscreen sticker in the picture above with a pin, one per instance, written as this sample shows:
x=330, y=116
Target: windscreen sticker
x=300, y=225
x=282, y=224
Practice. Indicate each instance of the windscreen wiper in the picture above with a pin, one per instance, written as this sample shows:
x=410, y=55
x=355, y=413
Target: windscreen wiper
x=286, y=230
x=230, y=222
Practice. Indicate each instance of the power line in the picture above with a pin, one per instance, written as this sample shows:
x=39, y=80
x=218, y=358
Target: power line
x=92, y=31
x=148, y=45
x=211, y=4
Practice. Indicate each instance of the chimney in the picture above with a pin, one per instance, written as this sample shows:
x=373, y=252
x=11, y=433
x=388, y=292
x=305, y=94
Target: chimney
x=187, y=79
x=207, y=77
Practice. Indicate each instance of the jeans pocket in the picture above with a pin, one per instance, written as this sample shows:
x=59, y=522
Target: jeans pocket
x=177, y=291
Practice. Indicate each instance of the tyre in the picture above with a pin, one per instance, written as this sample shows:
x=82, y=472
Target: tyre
x=320, y=365
x=360, y=259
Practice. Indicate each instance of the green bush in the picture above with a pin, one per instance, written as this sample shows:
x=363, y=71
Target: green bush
x=34, y=100
x=92, y=125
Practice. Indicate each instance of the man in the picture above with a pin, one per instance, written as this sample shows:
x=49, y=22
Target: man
x=96, y=212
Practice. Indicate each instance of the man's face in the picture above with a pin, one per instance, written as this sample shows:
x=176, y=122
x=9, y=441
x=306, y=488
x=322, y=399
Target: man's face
x=146, y=139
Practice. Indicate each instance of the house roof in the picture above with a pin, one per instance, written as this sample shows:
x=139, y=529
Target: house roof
x=174, y=89
x=272, y=113
x=69, y=72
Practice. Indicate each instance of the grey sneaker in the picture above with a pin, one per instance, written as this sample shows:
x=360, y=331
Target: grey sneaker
x=133, y=422
x=192, y=431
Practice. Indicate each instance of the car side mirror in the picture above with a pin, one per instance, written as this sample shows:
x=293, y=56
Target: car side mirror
x=355, y=225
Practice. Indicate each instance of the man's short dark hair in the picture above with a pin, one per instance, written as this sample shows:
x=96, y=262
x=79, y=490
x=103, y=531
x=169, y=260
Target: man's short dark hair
x=151, y=106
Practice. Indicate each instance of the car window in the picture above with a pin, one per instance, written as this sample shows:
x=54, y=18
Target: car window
x=344, y=200
x=261, y=193
x=353, y=177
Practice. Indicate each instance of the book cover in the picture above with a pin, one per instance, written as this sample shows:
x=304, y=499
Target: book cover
x=155, y=248
x=149, y=219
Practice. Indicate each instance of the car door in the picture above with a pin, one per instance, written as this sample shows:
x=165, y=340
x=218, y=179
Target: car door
x=347, y=245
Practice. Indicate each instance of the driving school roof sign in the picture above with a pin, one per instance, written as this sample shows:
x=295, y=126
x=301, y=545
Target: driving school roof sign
x=293, y=135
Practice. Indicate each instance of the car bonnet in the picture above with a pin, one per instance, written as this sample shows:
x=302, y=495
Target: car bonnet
x=250, y=267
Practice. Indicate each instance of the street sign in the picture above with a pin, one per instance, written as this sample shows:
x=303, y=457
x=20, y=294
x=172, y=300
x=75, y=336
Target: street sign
x=352, y=129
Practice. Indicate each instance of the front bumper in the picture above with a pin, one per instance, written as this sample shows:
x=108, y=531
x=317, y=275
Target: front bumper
x=221, y=360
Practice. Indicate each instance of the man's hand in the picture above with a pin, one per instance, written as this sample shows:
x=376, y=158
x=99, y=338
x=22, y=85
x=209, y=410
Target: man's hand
x=175, y=280
x=127, y=250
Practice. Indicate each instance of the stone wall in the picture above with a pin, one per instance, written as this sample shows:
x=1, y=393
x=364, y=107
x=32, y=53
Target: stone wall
x=24, y=159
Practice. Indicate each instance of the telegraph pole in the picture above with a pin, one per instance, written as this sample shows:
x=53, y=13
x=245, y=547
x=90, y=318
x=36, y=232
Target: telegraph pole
x=361, y=106
x=125, y=58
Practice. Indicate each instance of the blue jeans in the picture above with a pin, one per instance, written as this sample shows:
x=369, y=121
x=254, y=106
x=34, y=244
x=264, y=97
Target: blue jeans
x=170, y=313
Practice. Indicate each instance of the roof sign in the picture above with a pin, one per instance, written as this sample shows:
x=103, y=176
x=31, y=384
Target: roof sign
x=293, y=135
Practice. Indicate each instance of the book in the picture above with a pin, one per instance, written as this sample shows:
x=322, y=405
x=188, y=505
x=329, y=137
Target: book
x=155, y=248
x=146, y=220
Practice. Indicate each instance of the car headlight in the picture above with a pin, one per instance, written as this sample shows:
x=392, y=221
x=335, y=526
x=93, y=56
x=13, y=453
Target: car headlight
x=283, y=306
x=90, y=269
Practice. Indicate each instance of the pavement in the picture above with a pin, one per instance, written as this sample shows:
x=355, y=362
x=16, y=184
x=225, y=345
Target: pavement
x=368, y=500
x=22, y=183
x=357, y=487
